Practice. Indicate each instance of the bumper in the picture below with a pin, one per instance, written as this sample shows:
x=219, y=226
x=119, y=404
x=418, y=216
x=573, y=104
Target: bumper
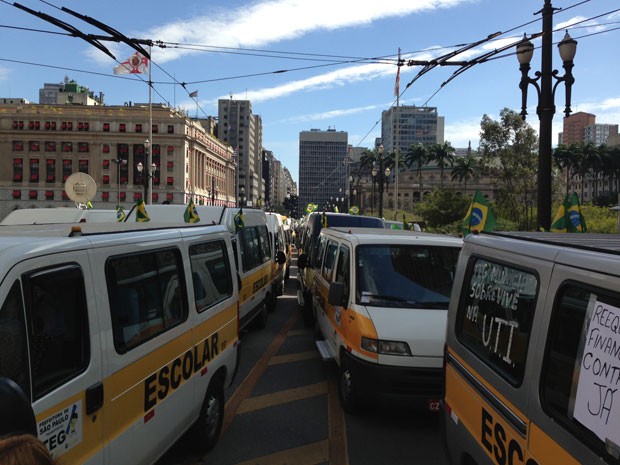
x=405, y=384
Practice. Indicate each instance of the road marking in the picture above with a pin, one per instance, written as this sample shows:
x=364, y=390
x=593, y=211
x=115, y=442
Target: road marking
x=298, y=332
x=311, y=454
x=282, y=397
x=338, y=447
x=297, y=357
x=246, y=388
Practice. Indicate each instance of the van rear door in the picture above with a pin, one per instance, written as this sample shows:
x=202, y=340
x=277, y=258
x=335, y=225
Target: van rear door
x=64, y=352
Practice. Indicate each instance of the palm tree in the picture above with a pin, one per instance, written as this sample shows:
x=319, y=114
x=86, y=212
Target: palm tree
x=442, y=155
x=465, y=168
x=417, y=155
x=566, y=158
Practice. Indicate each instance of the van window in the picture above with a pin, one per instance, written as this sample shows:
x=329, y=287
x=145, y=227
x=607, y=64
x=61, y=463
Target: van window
x=210, y=274
x=404, y=275
x=265, y=245
x=329, y=261
x=495, y=313
x=342, y=271
x=13, y=355
x=568, y=342
x=147, y=295
x=58, y=326
x=318, y=251
x=250, y=249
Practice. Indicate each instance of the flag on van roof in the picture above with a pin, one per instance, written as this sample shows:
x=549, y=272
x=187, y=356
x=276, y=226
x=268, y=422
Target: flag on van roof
x=120, y=213
x=239, y=220
x=141, y=215
x=568, y=218
x=354, y=210
x=406, y=226
x=191, y=214
x=479, y=216
x=324, y=220
x=311, y=207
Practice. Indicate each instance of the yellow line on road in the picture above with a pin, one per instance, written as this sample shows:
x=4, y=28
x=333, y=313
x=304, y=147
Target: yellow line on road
x=282, y=397
x=297, y=332
x=297, y=357
x=312, y=454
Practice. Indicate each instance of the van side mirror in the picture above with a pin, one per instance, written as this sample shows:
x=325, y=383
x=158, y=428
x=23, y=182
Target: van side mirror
x=17, y=414
x=280, y=257
x=336, y=294
x=302, y=261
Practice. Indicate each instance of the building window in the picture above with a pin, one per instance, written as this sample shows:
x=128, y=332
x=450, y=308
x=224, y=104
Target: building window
x=82, y=147
x=33, y=146
x=170, y=150
x=105, y=148
x=170, y=166
x=18, y=125
x=32, y=195
x=18, y=170
x=67, y=146
x=122, y=127
x=83, y=166
x=138, y=127
x=169, y=196
x=170, y=181
x=18, y=146
x=50, y=125
x=50, y=170
x=50, y=146
x=67, y=169
x=67, y=126
x=155, y=197
x=137, y=195
x=105, y=179
x=171, y=129
x=123, y=196
x=34, y=170
x=49, y=195
x=105, y=164
x=34, y=125
x=105, y=196
x=83, y=126
x=106, y=127
x=155, y=128
x=17, y=194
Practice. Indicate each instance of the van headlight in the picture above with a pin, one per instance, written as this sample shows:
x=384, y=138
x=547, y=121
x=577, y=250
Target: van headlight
x=380, y=346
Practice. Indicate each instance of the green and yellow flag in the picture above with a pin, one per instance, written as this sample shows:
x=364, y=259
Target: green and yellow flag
x=311, y=207
x=569, y=218
x=354, y=210
x=120, y=214
x=191, y=214
x=141, y=215
x=406, y=226
x=336, y=210
x=324, y=220
x=479, y=216
x=239, y=220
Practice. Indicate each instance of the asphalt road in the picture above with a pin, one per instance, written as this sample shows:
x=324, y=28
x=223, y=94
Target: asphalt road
x=283, y=408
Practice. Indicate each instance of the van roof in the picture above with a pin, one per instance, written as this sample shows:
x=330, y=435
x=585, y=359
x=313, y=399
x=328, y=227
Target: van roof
x=607, y=243
x=390, y=236
x=58, y=215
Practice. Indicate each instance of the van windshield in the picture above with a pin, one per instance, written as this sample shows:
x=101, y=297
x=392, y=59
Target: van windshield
x=403, y=275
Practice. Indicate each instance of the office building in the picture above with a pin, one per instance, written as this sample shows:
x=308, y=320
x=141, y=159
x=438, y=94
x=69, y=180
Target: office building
x=408, y=124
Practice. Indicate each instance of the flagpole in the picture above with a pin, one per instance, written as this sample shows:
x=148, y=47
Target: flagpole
x=149, y=161
x=397, y=146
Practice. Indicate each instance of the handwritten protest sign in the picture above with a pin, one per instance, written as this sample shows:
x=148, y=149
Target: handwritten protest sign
x=596, y=402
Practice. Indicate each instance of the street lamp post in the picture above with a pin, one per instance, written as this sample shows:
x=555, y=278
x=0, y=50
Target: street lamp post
x=386, y=173
x=213, y=187
x=546, y=96
x=119, y=161
x=147, y=176
x=241, y=196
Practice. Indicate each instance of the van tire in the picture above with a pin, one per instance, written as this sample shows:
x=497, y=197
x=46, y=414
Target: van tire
x=347, y=392
x=207, y=428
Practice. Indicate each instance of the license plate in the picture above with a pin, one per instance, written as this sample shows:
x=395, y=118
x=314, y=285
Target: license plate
x=433, y=405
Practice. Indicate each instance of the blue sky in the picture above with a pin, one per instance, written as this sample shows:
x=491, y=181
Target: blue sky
x=326, y=50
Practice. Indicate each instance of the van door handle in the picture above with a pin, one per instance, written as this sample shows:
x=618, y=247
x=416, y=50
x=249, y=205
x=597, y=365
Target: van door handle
x=94, y=398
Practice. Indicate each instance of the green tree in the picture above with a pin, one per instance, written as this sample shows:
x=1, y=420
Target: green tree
x=465, y=168
x=443, y=156
x=417, y=156
x=508, y=149
x=442, y=207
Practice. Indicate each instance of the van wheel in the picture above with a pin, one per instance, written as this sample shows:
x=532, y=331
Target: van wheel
x=346, y=389
x=260, y=322
x=207, y=428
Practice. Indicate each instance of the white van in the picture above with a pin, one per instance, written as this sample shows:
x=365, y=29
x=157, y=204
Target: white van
x=250, y=240
x=121, y=337
x=533, y=350
x=57, y=215
x=380, y=299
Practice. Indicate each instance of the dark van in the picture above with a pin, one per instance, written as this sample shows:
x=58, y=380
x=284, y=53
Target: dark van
x=309, y=251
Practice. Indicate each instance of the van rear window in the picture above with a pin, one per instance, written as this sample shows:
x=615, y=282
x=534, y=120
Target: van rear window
x=495, y=315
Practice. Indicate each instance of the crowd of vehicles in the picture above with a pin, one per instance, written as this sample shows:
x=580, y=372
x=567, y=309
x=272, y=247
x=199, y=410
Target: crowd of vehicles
x=117, y=338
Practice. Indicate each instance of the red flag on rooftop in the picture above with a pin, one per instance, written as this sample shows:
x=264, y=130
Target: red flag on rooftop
x=135, y=64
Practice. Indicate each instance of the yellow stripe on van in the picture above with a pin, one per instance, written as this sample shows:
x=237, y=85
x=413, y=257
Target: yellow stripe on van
x=546, y=450
x=140, y=387
x=253, y=283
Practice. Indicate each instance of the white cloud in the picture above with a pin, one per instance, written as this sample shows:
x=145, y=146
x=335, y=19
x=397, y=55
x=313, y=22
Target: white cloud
x=461, y=133
x=333, y=114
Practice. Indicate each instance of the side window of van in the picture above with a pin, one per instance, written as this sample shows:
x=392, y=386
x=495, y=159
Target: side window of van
x=211, y=277
x=250, y=250
x=494, y=316
x=147, y=295
x=582, y=348
x=58, y=326
x=320, y=248
x=265, y=245
x=13, y=355
x=342, y=271
x=329, y=261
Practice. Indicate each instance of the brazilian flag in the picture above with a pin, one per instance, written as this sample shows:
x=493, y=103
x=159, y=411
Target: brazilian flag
x=120, y=214
x=239, y=220
x=406, y=226
x=191, y=214
x=569, y=218
x=479, y=216
x=141, y=215
x=311, y=207
x=354, y=210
